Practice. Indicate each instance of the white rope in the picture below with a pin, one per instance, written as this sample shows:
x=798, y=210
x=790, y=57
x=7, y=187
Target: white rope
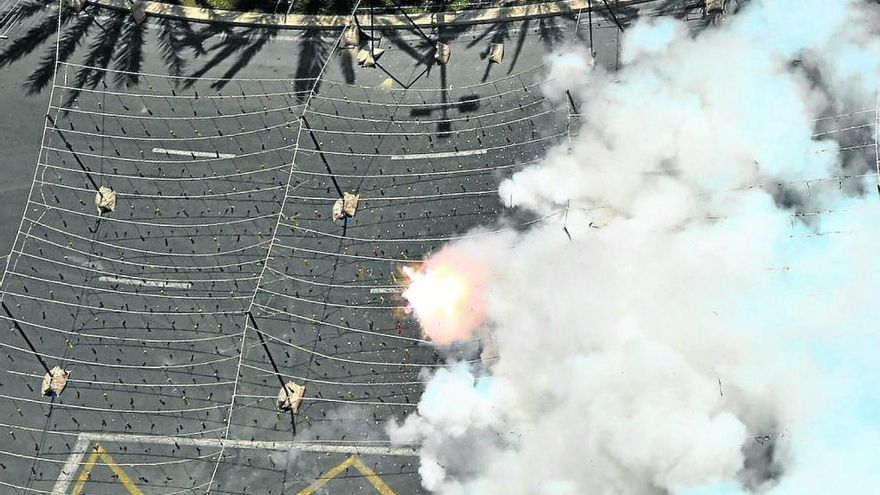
x=358, y=361
x=353, y=256
x=123, y=194
x=145, y=251
x=475, y=235
x=463, y=171
x=268, y=150
x=367, y=199
x=218, y=137
x=425, y=122
x=135, y=263
x=160, y=179
x=168, y=117
x=302, y=379
x=124, y=366
x=390, y=155
x=24, y=488
x=313, y=321
x=337, y=286
x=838, y=116
x=434, y=90
x=316, y=130
x=172, y=162
x=181, y=96
x=122, y=464
x=122, y=339
x=169, y=384
x=351, y=132
x=327, y=303
x=122, y=292
x=137, y=276
x=64, y=405
x=39, y=430
x=466, y=118
x=78, y=433
x=843, y=129
x=186, y=490
x=126, y=311
x=439, y=104
x=847, y=148
x=340, y=401
x=291, y=80
x=110, y=218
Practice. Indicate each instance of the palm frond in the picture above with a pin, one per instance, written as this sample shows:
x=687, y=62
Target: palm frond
x=100, y=54
x=130, y=54
x=34, y=37
x=68, y=43
x=250, y=49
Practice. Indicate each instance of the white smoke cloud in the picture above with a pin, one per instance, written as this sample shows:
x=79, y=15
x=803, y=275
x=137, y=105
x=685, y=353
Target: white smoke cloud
x=707, y=338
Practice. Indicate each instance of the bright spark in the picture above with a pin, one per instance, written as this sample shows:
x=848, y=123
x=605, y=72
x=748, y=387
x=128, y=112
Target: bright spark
x=444, y=295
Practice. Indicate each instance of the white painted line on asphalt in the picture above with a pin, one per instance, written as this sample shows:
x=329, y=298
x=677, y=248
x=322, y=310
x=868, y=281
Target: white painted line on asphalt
x=145, y=283
x=251, y=444
x=71, y=466
x=84, y=440
x=445, y=154
x=386, y=290
x=194, y=154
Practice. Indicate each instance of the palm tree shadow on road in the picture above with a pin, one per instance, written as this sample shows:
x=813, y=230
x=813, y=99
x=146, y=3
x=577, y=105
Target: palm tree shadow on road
x=100, y=39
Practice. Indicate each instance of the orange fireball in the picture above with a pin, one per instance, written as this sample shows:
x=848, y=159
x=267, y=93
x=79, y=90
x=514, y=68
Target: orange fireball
x=445, y=295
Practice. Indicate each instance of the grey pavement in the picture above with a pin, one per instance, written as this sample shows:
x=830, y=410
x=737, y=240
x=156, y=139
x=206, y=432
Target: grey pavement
x=21, y=129
x=180, y=313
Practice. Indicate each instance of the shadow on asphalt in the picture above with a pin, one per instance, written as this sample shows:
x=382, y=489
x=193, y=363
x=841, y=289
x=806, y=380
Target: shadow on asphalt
x=113, y=40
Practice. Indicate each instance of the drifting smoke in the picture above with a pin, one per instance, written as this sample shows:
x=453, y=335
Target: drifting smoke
x=717, y=334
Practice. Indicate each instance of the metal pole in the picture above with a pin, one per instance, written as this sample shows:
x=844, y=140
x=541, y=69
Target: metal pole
x=75, y=156
x=411, y=21
x=317, y=144
x=613, y=16
x=590, y=18
x=266, y=348
x=26, y=339
x=274, y=366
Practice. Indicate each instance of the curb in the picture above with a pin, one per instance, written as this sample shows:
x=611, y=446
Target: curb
x=303, y=21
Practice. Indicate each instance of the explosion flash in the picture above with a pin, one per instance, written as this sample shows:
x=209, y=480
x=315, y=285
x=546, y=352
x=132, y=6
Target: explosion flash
x=445, y=295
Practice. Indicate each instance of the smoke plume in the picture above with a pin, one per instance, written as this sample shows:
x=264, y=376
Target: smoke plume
x=709, y=327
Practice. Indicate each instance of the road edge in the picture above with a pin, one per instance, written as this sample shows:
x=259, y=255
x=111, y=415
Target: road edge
x=304, y=21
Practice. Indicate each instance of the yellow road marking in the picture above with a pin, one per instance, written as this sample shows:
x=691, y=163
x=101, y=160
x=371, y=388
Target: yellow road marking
x=98, y=453
x=355, y=462
x=387, y=84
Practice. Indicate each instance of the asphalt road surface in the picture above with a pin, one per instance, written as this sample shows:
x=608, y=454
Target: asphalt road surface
x=221, y=274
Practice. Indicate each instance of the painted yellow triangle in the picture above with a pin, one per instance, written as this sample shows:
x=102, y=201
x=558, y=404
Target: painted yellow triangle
x=386, y=84
x=355, y=462
x=99, y=454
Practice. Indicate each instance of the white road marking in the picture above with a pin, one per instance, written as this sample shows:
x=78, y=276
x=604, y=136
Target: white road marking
x=240, y=444
x=145, y=283
x=83, y=262
x=72, y=465
x=386, y=290
x=445, y=154
x=195, y=154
